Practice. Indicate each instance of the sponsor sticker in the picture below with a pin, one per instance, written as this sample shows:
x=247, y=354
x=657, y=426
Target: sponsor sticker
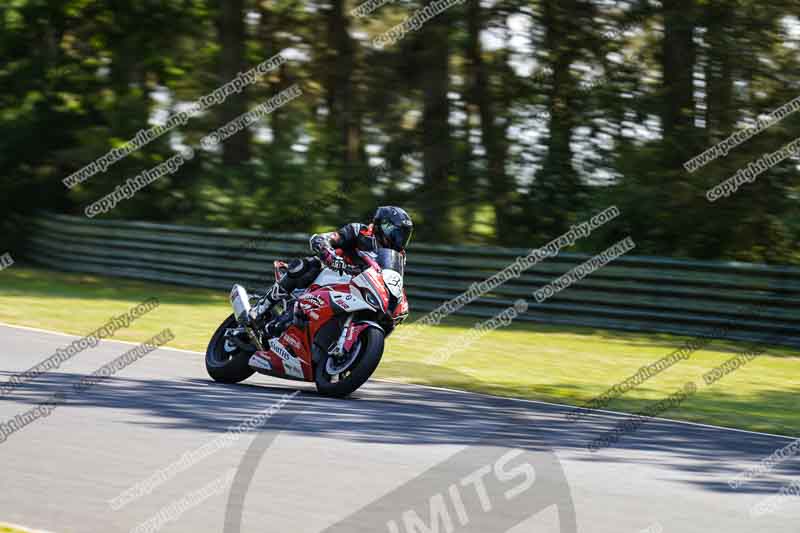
x=259, y=361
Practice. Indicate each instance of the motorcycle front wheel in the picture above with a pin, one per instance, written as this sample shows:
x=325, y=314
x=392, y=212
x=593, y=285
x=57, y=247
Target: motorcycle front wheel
x=367, y=356
x=226, y=362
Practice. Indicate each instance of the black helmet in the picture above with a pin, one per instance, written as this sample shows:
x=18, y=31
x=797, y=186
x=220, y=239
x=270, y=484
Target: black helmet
x=392, y=227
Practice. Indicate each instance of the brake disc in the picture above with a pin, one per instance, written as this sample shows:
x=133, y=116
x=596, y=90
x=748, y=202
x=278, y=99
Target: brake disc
x=333, y=368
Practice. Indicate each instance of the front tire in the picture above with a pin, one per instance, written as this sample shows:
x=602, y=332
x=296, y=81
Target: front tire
x=371, y=351
x=223, y=364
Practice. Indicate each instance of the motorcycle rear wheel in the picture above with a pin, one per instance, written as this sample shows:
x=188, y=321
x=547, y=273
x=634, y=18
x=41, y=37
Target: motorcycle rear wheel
x=371, y=351
x=226, y=365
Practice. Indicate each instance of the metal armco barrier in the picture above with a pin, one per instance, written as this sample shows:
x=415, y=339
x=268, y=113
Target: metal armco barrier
x=636, y=293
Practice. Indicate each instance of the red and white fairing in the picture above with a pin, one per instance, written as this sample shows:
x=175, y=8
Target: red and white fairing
x=331, y=294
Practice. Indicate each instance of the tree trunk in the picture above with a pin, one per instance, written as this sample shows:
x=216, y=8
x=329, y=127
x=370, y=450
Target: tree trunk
x=557, y=188
x=236, y=149
x=346, y=154
x=434, y=53
x=494, y=141
x=720, y=112
x=679, y=58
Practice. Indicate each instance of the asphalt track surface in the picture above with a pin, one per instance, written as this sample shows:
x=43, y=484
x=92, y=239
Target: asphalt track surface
x=327, y=459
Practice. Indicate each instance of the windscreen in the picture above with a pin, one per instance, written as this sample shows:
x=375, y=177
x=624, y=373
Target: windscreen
x=390, y=259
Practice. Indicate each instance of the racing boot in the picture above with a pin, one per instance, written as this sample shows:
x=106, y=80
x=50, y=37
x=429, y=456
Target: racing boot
x=297, y=270
x=267, y=304
x=279, y=324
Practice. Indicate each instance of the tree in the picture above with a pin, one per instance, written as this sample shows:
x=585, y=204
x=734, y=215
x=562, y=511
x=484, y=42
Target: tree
x=232, y=38
x=433, y=51
x=493, y=135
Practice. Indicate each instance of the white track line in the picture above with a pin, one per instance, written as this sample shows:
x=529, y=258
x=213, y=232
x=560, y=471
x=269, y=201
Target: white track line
x=22, y=528
x=62, y=334
x=524, y=400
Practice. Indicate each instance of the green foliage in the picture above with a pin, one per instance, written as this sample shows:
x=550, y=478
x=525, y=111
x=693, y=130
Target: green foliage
x=580, y=103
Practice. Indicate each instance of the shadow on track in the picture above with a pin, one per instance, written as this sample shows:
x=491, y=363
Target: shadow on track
x=384, y=412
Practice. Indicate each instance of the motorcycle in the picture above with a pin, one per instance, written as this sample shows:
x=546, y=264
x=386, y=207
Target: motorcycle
x=336, y=338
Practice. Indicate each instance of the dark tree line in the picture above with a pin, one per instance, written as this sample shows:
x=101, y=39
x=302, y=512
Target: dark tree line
x=495, y=122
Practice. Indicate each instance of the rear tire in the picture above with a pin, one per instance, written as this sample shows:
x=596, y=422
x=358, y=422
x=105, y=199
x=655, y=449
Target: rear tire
x=227, y=367
x=359, y=372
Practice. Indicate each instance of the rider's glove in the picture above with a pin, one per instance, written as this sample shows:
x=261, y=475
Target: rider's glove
x=339, y=265
x=328, y=256
x=333, y=261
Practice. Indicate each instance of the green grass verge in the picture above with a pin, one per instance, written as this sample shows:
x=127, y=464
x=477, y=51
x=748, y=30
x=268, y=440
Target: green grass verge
x=558, y=364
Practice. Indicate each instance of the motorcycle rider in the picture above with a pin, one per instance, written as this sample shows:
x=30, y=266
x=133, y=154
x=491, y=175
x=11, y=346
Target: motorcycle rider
x=391, y=227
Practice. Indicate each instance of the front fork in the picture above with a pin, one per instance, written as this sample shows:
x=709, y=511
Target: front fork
x=338, y=350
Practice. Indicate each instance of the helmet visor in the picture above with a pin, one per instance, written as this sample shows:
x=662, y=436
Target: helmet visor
x=397, y=237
